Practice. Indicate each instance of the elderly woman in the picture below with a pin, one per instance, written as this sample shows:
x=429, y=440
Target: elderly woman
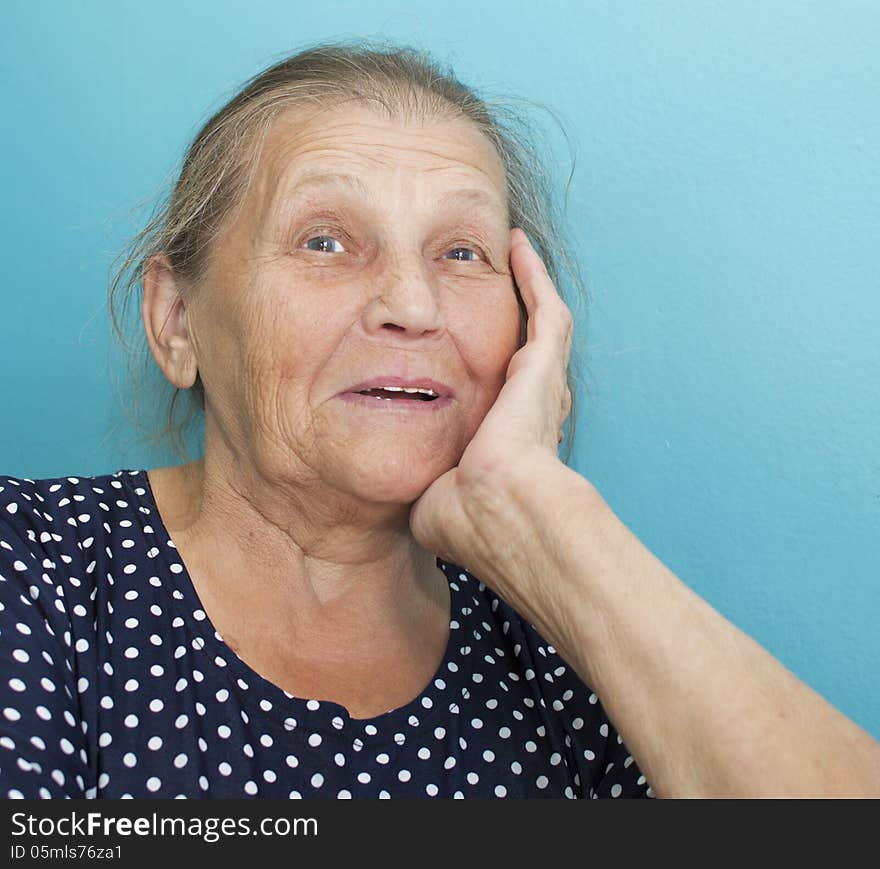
x=380, y=580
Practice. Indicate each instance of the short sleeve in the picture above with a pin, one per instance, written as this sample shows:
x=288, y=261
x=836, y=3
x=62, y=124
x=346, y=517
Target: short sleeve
x=43, y=750
x=621, y=776
x=601, y=764
x=606, y=768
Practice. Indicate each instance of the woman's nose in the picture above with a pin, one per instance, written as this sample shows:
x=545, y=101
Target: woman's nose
x=408, y=297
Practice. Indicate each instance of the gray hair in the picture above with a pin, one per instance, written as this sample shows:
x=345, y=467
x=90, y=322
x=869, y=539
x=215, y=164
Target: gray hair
x=220, y=165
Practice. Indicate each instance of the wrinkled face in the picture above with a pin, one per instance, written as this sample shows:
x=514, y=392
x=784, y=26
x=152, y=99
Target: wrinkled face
x=365, y=248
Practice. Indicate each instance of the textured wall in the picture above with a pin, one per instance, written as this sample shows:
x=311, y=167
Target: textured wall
x=725, y=206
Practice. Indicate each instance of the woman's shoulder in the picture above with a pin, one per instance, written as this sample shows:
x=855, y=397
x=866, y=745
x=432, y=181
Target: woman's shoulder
x=48, y=509
x=49, y=526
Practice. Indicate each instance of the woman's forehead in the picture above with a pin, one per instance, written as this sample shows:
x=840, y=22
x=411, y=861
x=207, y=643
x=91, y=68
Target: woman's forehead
x=358, y=141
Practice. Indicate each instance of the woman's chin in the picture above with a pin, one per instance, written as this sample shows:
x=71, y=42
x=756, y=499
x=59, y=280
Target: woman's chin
x=395, y=479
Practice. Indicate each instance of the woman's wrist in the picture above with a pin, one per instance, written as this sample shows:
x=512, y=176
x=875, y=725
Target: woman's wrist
x=528, y=514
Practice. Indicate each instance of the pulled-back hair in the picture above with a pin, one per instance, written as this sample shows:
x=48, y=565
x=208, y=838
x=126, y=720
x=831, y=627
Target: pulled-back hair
x=221, y=162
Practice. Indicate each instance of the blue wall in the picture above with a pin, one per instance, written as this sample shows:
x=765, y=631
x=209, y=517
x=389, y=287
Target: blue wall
x=726, y=204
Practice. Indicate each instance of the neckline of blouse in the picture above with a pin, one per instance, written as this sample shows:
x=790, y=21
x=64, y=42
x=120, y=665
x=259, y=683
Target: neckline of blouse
x=447, y=686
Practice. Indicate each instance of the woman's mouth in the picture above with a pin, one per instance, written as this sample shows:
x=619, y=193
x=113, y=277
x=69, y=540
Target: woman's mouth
x=396, y=400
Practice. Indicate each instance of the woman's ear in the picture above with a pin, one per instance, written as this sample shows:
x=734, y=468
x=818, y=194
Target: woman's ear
x=165, y=322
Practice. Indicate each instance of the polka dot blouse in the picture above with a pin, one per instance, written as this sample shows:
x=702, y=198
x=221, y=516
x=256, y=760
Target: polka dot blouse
x=115, y=684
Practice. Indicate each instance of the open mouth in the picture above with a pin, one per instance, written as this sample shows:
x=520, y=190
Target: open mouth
x=400, y=394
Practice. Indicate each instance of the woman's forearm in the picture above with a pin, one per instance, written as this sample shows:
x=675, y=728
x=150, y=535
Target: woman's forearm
x=703, y=708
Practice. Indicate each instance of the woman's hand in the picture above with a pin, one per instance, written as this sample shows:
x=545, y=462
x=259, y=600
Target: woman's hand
x=522, y=428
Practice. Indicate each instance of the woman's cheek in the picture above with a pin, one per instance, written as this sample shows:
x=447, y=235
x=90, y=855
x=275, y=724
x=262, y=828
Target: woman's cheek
x=497, y=312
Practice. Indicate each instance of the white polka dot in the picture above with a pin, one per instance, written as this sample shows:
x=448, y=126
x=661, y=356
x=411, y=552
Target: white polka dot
x=404, y=775
x=616, y=790
x=317, y=780
x=153, y=784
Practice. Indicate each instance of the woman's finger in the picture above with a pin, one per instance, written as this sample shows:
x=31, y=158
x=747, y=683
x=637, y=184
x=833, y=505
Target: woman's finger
x=539, y=294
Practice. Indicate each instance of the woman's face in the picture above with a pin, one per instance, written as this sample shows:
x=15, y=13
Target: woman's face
x=364, y=249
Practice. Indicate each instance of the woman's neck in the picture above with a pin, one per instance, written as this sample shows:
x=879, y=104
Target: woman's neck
x=341, y=598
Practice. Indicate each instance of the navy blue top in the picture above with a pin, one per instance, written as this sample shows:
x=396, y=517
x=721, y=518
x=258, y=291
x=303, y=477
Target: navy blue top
x=116, y=684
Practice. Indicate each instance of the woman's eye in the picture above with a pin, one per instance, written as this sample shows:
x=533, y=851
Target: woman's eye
x=324, y=240
x=456, y=250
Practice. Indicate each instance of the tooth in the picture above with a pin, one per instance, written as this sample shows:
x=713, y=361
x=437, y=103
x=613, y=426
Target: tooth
x=409, y=389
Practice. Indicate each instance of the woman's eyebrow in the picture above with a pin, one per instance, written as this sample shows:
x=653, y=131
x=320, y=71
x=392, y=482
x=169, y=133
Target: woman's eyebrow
x=298, y=187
